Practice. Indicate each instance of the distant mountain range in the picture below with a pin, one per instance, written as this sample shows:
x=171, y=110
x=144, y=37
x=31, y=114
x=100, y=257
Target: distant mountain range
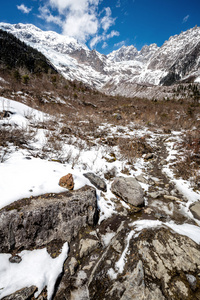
x=122, y=71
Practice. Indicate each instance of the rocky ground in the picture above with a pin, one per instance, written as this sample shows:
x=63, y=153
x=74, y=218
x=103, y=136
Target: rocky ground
x=132, y=226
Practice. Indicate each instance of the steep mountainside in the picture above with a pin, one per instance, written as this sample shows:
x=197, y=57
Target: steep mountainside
x=122, y=71
x=16, y=54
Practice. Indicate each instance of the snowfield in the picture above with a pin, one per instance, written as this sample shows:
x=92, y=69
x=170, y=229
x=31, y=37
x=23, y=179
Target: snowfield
x=23, y=175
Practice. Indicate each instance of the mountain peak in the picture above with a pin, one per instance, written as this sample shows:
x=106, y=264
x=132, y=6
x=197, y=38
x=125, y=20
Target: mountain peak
x=119, y=71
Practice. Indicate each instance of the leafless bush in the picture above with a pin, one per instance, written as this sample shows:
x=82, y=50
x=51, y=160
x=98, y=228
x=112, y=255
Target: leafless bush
x=16, y=136
x=187, y=165
x=131, y=149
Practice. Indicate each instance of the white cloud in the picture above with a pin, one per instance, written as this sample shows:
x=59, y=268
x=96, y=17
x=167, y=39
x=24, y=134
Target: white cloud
x=118, y=3
x=112, y=34
x=97, y=39
x=107, y=21
x=80, y=26
x=186, y=18
x=80, y=19
x=105, y=45
x=46, y=15
x=24, y=8
x=120, y=44
x=103, y=37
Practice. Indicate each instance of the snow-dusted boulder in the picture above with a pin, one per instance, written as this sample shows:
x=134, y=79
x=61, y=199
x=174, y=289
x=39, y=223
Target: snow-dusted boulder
x=37, y=222
x=129, y=190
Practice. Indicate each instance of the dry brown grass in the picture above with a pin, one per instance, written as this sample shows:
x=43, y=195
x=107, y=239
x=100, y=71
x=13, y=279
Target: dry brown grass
x=131, y=149
x=81, y=103
x=188, y=164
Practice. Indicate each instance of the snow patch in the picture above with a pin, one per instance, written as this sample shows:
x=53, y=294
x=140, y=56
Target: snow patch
x=37, y=268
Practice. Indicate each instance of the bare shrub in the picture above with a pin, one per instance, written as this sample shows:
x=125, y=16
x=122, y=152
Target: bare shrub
x=16, y=136
x=187, y=166
x=131, y=149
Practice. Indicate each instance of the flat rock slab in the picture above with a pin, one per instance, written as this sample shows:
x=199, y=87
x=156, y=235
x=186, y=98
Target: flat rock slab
x=36, y=222
x=195, y=209
x=129, y=190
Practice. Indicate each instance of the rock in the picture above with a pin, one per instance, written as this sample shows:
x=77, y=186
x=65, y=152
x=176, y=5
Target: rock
x=16, y=259
x=67, y=182
x=167, y=130
x=172, y=198
x=117, y=246
x=195, y=209
x=163, y=162
x=148, y=210
x=72, y=265
x=23, y=294
x=156, y=264
x=111, y=173
x=142, y=179
x=135, y=286
x=148, y=156
x=156, y=194
x=38, y=221
x=129, y=190
x=165, y=258
x=87, y=245
x=192, y=281
x=165, y=253
x=81, y=291
x=98, y=182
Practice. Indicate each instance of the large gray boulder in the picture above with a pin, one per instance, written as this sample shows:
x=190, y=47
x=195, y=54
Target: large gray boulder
x=37, y=222
x=129, y=190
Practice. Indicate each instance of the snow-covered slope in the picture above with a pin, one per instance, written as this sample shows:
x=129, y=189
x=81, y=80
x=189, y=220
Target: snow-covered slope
x=178, y=58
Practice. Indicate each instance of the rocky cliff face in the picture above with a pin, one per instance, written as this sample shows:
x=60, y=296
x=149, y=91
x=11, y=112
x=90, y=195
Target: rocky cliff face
x=116, y=73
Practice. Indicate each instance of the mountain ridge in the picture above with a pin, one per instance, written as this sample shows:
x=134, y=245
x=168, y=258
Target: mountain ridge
x=118, y=72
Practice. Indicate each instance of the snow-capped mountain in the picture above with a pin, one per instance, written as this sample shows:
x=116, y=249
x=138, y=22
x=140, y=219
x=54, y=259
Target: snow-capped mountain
x=122, y=70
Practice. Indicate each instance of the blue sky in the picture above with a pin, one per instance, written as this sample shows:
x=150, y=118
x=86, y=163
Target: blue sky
x=106, y=25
